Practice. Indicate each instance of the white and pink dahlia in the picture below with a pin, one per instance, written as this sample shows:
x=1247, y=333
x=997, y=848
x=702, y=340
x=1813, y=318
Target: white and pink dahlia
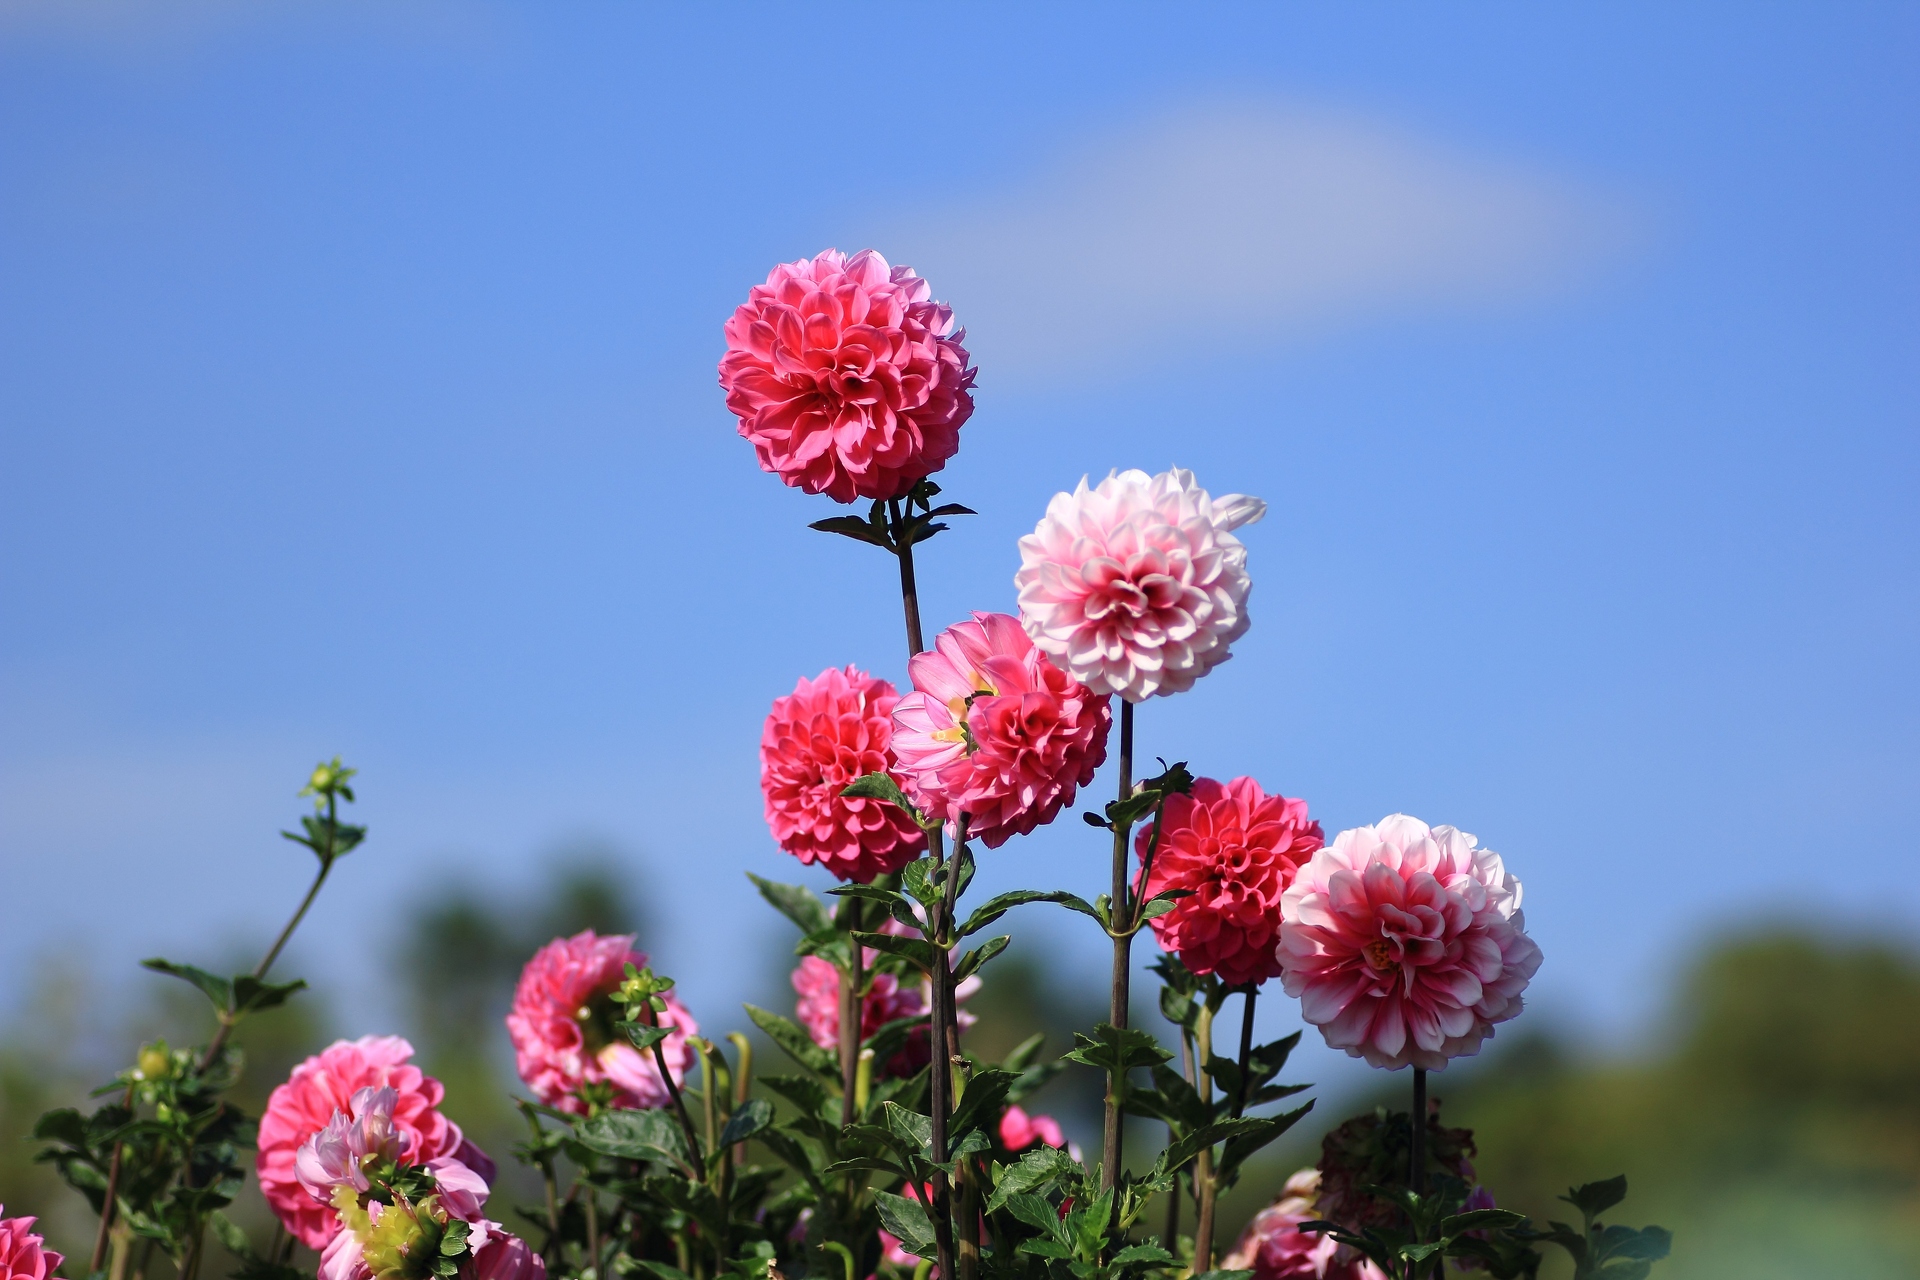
x=848, y=379
x=1405, y=943
x=562, y=1027
x=830, y=730
x=1137, y=586
x=996, y=731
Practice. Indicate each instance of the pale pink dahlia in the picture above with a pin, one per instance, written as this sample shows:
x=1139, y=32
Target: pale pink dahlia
x=563, y=1033
x=827, y=732
x=1137, y=585
x=23, y=1253
x=1405, y=943
x=996, y=731
x=847, y=377
x=1235, y=849
x=326, y=1084
x=1274, y=1248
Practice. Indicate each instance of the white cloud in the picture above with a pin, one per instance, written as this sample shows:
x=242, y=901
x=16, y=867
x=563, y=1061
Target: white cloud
x=1246, y=226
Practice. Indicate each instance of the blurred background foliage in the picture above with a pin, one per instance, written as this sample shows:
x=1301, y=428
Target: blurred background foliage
x=1773, y=1122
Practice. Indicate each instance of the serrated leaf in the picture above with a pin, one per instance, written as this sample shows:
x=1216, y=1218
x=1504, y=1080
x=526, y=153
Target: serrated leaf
x=1035, y=1168
x=796, y=903
x=650, y=1134
x=753, y=1116
x=1121, y=1049
x=916, y=879
x=907, y=1220
x=1035, y=1211
x=797, y=1044
x=1142, y=1253
x=913, y=1130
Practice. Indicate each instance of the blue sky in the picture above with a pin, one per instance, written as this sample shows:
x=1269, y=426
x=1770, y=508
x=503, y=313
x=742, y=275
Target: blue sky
x=357, y=395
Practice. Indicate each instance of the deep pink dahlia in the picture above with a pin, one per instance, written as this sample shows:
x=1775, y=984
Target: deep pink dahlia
x=23, y=1254
x=1236, y=849
x=1137, y=586
x=827, y=732
x=847, y=377
x=1405, y=943
x=996, y=731
x=563, y=1033
x=327, y=1083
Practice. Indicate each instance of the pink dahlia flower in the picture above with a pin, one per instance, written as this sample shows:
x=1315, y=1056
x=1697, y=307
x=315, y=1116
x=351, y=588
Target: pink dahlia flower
x=326, y=1084
x=1018, y=1130
x=847, y=377
x=1137, y=586
x=1236, y=849
x=1274, y=1248
x=23, y=1253
x=827, y=732
x=1405, y=943
x=563, y=1033
x=504, y=1257
x=996, y=731
x=817, y=983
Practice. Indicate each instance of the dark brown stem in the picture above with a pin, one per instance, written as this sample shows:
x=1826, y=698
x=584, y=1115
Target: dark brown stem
x=1246, y=1049
x=1122, y=916
x=679, y=1103
x=909, y=590
x=1417, y=1158
x=110, y=1201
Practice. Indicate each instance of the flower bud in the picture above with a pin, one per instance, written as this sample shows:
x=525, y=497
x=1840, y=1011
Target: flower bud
x=155, y=1061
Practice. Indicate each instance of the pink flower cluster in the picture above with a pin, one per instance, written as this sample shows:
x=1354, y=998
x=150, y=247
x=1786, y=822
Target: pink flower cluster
x=847, y=378
x=817, y=983
x=1137, y=585
x=995, y=731
x=562, y=1026
x=827, y=732
x=1405, y=943
x=23, y=1254
x=1235, y=849
x=325, y=1086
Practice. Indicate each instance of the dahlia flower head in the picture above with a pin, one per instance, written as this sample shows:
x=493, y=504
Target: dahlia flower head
x=562, y=1027
x=848, y=379
x=1235, y=849
x=830, y=730
x=1137, y=585
x=23, y=1253
x=1274, y=1248
x=817, y=984
x=323, y=1088
x=1020, y=1132
x=1405, y=943
x=1372, y=1150
x=994, y=730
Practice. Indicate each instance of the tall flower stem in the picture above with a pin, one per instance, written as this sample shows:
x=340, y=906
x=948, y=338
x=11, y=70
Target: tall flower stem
x=852, y=1020
x=1203, y=1187
x=1246, y=1048
x=1122, y=931
x=947, y=1056
x=1417, y=1157
x=909, y=589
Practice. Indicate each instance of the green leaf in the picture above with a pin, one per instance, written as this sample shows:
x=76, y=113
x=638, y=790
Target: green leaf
x=972, y=962
x=231, y=1236
x=880, y=786
x=643, y=1036
x=1142, y=1253
x=913, y=1131
x=651, y=1134
x=1037, y=1168
x=1595, y=1198
x=1649, y=1243
x=907, y=1220
x=1035, y=1211
x=1073, y=902
x=252, y=995
x=980, y=1104
x=1243, y=1145
x=998, y=905
x=916, y=878
x=754, y=1115
x=921, y=952
x=796, y=903
x=1160, y=904
x=853, y=527
x=1117, y=1049
x=797, y=1043
x=214, y=987
x=1481, y=1220
x=1026, y=1052
x=1187, y=1146
x=1223, y=1275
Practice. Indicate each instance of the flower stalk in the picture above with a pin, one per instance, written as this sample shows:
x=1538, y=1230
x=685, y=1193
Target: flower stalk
x=1122, y=931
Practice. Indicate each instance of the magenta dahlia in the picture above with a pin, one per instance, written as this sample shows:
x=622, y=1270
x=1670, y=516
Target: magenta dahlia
x=1235, y=849
x=563, y=1033
x=848, y=379
x=827, y=732
x=1405, y=943
x=996, y=731
x=23, y=1253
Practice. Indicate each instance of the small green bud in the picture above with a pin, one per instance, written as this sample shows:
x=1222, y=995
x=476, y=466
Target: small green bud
x=155, y=1061
x=329, y=779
